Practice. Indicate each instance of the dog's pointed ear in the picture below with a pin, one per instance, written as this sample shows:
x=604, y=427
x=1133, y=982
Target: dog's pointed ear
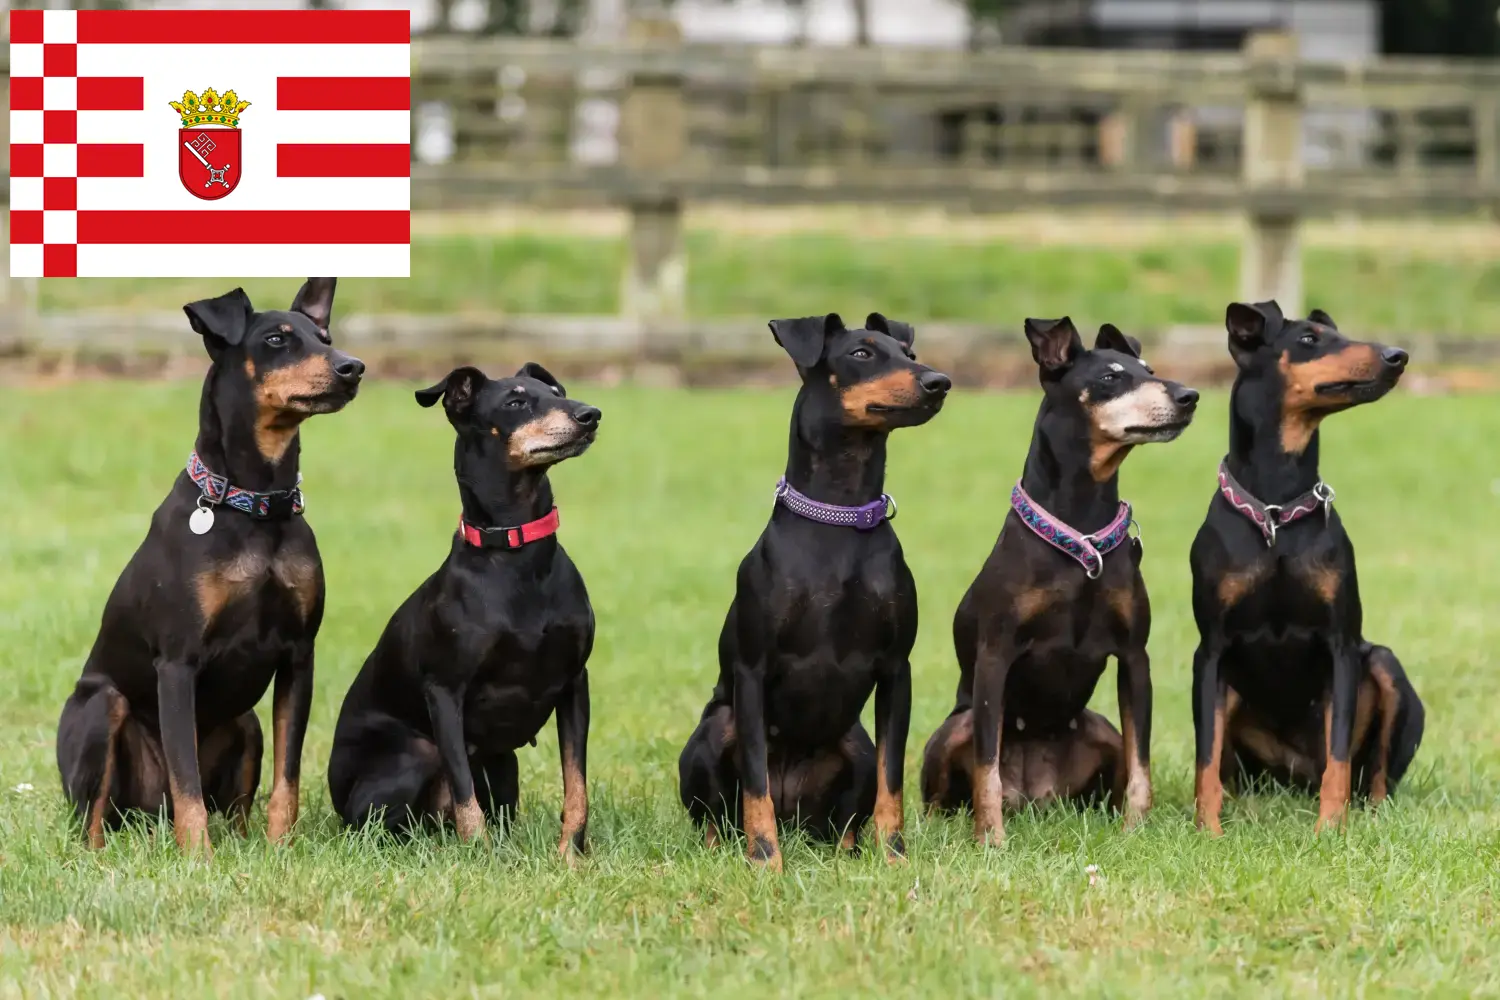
x=458, y=392
x=221, y=322
x=1055, y=343
x=315, y=301
x=533, y=370
x=804, y=338
x=1249, y=326
x=1322, y=319
x=903, y=333
x=1111, y=339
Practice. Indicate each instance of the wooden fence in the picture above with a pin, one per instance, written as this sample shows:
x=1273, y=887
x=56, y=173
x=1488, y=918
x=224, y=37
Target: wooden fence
x=1258, y=132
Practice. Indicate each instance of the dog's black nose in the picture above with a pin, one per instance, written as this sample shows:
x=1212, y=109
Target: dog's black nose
x=588, y=416
x=348, y=368
x=934, y=383
x=1395, y=357
x=1185, y=397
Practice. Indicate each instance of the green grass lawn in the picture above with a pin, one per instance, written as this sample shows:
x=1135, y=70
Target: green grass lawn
x=1402, y=903
x=1397, y=291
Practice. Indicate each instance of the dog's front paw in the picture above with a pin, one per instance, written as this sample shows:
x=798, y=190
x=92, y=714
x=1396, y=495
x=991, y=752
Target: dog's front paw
x=989, y=829
x=1210, y=823
x=572, y=848
x=764, y=853
x=468, y=818
x=1330, y=819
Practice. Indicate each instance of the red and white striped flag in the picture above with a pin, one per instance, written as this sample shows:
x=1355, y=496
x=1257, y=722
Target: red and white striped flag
x=214, y=143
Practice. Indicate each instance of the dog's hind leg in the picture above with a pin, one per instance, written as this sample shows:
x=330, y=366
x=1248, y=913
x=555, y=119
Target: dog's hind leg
x=88, y=755
x=382, y=770
x=1400, y=720
x=231, y=757
x=858, y=795
x=708, y=784
x=947, y=762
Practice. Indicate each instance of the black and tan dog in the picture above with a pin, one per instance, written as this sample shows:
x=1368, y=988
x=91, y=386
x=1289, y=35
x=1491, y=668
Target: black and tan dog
x=477, y=659
x=1051, y=604
x=1284, y=684
x=824, y=612
x=225, y=593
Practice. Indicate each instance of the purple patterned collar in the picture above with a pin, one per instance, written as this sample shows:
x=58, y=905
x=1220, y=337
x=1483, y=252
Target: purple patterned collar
x=1088, y=550
x=1270, y=516
x=864, y=518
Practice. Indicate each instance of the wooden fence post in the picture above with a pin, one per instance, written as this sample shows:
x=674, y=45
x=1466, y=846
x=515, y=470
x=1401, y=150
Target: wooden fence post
x=1271, y=256
x=654, y=141
x=1487, y=148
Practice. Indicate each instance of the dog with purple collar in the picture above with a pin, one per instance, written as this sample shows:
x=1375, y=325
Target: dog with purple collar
x=824, y=613
x=1060, y=593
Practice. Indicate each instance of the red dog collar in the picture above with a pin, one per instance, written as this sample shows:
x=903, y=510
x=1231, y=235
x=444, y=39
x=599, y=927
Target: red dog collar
x=509, y=538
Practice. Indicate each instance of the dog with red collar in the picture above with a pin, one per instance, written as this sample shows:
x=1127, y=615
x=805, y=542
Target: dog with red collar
x=490, y=646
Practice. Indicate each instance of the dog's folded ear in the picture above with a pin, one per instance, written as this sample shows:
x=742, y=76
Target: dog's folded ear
x=458, y=391
x=1055, y=343
x=1251, y=326
x=1322, y=318
x=221, y=322
x=1111, y=339
x=902, y=333
x=315, y=301
x=804, y=338
x=533, y=370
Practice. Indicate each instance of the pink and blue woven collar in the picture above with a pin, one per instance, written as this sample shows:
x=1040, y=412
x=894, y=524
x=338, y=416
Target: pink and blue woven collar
x=1088, y=550
x=863, y=518
x=1270, y=516
x=216, y=490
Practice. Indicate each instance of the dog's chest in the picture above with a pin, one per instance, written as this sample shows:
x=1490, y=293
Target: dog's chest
x=287, y=577
x=516, y=684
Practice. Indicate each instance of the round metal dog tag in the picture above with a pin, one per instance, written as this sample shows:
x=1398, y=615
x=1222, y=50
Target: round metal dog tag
x=200, y=521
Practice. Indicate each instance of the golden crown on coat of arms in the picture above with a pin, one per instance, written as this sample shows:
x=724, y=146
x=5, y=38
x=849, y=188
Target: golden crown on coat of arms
x=210, y=108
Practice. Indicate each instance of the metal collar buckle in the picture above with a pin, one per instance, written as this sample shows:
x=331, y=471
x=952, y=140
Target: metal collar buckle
x=1273, y=521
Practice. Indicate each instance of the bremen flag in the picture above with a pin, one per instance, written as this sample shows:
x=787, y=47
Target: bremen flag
x=216, y=143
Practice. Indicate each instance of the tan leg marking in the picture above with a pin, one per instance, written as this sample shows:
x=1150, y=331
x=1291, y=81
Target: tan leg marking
x=989, y=802
x=1208, y=793
x=118, y=709
x=760, y=831
x=889, y=814
x=1390, y=704
x=1333, y=796
x=281, y=811
x=1138, y=775
x=469, y=819
x=575, y=815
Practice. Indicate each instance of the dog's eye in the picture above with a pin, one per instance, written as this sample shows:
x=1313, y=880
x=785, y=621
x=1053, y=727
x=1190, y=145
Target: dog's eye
x=1109, y=376
x=1149, y=369
x=556, y=391
x=515, y=402
x=1308, y=339
x=276, y=340
x=862, y=353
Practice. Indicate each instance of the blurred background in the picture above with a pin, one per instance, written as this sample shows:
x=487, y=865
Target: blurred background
x=631, y=188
